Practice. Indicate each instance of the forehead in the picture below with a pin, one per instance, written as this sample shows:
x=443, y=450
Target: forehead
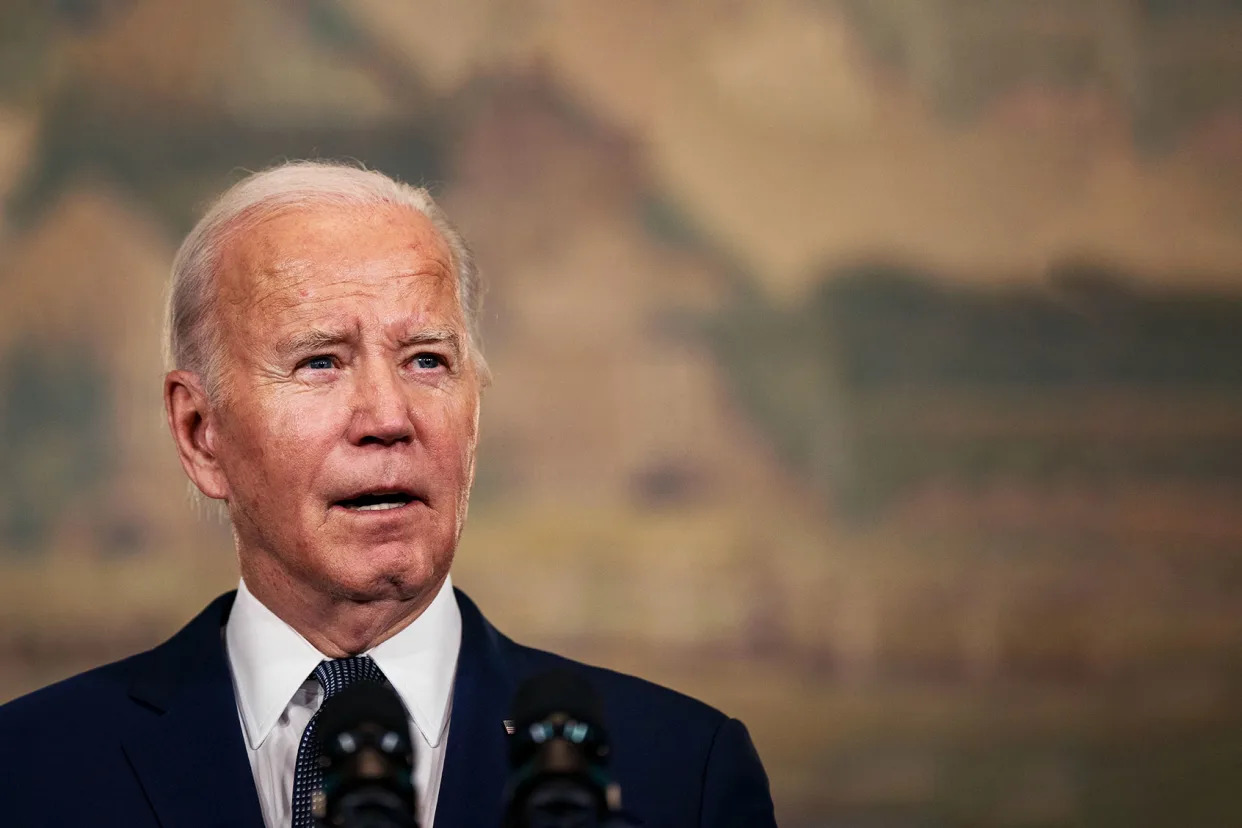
x=319, y=251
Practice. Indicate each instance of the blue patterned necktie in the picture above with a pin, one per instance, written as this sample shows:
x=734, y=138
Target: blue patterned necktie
x=334, y=676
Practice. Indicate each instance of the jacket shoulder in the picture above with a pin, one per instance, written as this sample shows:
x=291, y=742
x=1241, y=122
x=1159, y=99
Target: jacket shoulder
x=627, y=695
x=680, y=761
x=67, y=703
x=98, y=699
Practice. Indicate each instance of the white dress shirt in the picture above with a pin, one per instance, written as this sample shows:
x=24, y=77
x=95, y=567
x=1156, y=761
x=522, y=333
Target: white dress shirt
x=276, y=694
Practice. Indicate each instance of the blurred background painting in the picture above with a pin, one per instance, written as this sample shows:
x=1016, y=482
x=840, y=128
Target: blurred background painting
x=871, y=369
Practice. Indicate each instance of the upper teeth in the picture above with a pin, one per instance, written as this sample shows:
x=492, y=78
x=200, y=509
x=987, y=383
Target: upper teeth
x=372, y=507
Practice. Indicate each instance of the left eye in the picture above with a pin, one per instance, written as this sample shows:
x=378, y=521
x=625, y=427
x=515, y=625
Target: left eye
x=428, y=362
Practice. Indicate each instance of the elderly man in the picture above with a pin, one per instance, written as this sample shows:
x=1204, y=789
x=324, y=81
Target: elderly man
x=323, y=329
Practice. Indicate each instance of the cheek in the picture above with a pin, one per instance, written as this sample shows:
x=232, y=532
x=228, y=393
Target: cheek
x=283, y=442
x=456, y=431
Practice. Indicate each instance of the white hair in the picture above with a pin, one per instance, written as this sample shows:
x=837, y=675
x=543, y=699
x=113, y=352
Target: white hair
x=192, y=332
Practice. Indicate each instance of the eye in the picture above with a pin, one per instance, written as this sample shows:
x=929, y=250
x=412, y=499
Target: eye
x=319, y=363
x=428, y=362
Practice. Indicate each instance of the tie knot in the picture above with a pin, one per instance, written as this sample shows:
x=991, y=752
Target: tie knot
x=339, y=673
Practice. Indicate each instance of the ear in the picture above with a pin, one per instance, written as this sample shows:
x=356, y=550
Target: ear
x=192, y=423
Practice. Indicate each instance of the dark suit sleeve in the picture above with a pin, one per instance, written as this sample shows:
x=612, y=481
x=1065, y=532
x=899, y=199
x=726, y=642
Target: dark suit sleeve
x=735, y=787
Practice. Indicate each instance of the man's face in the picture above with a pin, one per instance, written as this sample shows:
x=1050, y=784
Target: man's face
x=347, y=429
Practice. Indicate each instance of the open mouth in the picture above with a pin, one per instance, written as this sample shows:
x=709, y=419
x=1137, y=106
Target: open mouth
x=377, y=501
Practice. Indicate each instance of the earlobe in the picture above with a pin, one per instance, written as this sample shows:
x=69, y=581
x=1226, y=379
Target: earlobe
x=191, y=421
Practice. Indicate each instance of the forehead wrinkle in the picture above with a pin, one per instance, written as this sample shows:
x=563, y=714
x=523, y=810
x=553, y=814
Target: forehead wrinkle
x=279, y=294
x=286, y=275
x=428, y=321
x=265, y=269
x=268, y=284
x=262, y=244
x=251, y=278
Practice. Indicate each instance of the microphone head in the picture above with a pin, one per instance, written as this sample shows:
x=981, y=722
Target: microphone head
x=558, y=706
x=372, y=704
x=556, y=691
x=367, y=759
x=559, y=753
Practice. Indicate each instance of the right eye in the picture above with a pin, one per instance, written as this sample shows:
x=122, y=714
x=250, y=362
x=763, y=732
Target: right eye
x=319, y=363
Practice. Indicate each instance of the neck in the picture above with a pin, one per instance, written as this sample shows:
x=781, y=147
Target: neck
x=336, y=625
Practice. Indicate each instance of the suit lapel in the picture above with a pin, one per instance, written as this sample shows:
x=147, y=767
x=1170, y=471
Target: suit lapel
x=471, y=788
x=189, y=754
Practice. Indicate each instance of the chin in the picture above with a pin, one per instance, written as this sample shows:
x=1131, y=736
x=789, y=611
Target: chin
x=391, y=574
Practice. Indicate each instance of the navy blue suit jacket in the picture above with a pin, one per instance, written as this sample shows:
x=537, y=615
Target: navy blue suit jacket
x=155, y=740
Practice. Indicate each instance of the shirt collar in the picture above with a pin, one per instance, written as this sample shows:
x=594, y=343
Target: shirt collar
x=270, y=661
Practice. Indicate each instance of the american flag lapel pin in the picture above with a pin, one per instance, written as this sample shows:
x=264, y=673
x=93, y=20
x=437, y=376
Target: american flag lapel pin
x=509, y=726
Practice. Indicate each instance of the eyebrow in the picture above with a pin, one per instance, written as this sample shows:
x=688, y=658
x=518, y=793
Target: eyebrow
x=432, y=336
x=316, y=338
x=311, y=340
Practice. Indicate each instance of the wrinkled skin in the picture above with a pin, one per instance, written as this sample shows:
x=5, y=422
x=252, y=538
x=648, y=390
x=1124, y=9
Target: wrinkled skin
x=346, y=370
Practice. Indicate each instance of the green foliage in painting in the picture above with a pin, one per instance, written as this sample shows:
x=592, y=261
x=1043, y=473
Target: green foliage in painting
x=56, y=445
x=885, y=378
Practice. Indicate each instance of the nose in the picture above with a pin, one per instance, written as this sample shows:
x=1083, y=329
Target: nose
x=381, y=413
